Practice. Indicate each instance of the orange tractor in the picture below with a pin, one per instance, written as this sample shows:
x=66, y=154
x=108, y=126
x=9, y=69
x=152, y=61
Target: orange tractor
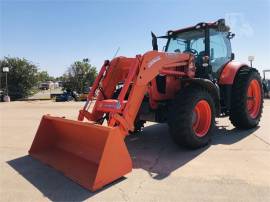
x=189, y=84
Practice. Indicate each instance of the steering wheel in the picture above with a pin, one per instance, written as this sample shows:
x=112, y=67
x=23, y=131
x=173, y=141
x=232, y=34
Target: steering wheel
x=193, y=51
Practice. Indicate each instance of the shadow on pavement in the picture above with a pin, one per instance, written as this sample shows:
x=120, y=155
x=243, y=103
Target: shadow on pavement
x=51, y=183
x=223, y=135
x=154, y=151
x=151, y=150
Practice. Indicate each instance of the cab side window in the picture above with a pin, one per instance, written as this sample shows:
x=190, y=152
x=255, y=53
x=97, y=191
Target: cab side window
x=220, y=49
x=198, y=45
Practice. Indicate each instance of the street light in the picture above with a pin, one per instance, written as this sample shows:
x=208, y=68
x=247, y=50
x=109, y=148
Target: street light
x=251, y=59
x=6, y=97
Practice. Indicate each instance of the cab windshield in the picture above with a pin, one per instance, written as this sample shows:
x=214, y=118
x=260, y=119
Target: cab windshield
x=190, y=41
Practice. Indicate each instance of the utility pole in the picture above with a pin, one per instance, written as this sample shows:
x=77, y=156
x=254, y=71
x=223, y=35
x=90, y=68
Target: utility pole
x=251, y=59
x=6, y=97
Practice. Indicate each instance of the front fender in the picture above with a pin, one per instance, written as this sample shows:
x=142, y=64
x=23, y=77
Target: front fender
x=210, y=87
x=229, y=72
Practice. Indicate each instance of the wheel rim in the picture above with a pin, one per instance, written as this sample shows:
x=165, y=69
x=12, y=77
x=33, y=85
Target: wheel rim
x=201, y=118
x=253, y=98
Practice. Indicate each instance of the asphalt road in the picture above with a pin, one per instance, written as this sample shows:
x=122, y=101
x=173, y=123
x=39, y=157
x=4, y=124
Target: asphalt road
x=234, y=167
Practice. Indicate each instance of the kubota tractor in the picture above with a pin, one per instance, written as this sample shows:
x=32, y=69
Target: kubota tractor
x=189, y=84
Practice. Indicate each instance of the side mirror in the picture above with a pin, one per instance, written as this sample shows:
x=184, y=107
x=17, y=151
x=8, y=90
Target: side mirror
x=154, y=41
x=230, y=35
x=232, y=56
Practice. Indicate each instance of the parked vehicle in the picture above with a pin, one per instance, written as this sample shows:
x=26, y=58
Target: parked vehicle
x=266, y=84
x=2, y=96
x=44, y=86
x=83, y=96
x=66, y=96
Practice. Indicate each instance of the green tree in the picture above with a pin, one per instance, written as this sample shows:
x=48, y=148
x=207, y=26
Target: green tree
x=22, y=77
x=80, y=74
x=43, y=76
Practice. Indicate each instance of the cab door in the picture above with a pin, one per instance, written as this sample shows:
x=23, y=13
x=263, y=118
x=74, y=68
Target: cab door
x=220, y=50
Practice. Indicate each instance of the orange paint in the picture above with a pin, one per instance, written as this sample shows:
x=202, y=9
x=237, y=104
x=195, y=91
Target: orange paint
x=229, y=72
x=92, y=154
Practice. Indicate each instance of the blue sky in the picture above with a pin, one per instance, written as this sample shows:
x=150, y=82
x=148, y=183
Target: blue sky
x=53, y=34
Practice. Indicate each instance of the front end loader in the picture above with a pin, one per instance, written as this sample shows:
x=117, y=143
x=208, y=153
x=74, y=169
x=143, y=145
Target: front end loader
x=187, y=86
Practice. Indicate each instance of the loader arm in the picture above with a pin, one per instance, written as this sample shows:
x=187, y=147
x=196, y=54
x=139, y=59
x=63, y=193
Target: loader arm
x=137, y=72
x=94, y=154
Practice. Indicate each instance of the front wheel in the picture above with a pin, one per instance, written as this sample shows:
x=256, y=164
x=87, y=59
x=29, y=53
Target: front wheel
x=247, y=99
x=191, y=117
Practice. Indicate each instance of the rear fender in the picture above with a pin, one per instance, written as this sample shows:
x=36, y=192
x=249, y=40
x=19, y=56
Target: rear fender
x=229, y=72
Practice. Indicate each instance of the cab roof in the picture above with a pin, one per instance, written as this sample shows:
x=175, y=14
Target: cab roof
x=219, y=24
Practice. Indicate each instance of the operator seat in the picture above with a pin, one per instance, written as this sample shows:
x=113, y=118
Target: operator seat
x=200, y=71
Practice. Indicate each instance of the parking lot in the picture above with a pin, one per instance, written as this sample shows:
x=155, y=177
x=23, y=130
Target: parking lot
x=234, y=167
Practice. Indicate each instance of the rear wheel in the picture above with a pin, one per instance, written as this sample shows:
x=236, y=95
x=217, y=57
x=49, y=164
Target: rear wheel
x=191, y=118
x=247, y=99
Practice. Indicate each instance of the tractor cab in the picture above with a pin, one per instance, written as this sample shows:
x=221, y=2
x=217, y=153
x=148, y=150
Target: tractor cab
x=208, y=42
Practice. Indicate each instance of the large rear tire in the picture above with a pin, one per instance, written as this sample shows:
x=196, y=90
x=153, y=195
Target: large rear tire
x=246, y=99
x=191, y=117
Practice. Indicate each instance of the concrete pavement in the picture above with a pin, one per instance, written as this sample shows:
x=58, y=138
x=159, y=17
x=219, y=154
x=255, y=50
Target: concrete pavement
x=235, y=167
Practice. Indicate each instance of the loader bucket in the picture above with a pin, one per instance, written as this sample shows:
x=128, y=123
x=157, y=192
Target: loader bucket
x=91, y=155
